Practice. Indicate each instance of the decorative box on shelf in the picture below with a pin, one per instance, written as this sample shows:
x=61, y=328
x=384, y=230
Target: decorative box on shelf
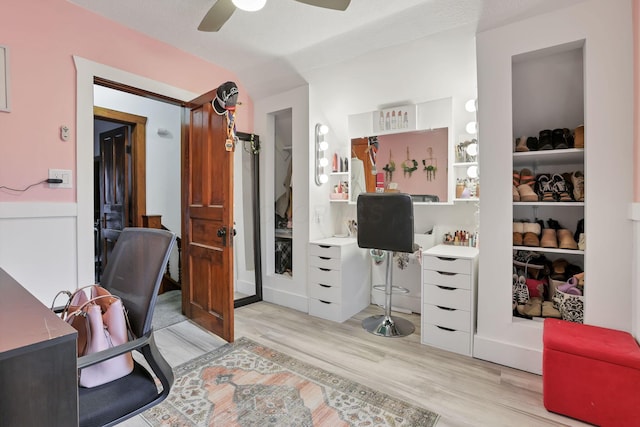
x=339, y=196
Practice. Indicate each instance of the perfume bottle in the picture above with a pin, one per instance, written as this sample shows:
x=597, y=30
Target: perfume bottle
x=387, y=122
x=393, y=120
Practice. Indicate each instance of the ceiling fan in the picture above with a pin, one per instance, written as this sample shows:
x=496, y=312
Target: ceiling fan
x=222, y=10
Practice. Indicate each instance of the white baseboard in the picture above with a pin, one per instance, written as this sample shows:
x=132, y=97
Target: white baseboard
x=502, y=353
x=634, y=212
x=286, y=299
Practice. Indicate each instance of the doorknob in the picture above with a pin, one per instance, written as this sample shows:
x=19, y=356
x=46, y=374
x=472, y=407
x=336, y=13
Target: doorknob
x=222, y=232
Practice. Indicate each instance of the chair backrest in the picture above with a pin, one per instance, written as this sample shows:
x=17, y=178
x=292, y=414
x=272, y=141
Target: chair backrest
x=385, y=221
x=135, y=270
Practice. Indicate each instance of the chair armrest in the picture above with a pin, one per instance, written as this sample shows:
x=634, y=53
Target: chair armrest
x=110, y=353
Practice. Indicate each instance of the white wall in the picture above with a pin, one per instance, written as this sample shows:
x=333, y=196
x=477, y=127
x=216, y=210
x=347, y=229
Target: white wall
x=606, y=27
x=440, y=66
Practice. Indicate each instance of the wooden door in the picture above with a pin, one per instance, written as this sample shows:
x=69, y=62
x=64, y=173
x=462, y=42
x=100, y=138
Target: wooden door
x=360, y=149
x=114, y=188
x=207, y=230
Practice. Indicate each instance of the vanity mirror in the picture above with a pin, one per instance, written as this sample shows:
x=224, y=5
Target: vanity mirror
x=413, y=159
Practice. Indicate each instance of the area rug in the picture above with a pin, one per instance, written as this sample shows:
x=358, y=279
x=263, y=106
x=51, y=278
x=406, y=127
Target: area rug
x=247, y=384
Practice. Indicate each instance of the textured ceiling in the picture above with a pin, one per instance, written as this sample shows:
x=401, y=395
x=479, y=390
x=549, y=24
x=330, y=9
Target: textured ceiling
x=272, y=49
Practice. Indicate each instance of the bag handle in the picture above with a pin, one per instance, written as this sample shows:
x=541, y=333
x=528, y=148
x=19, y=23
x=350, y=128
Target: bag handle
x=67, y=293
x=81, y=310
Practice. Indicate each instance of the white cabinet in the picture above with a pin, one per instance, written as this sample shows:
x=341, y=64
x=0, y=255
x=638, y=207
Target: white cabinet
x=449, y=297
x=339, y=279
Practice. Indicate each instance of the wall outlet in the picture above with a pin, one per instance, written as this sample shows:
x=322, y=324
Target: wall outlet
x=63, y=174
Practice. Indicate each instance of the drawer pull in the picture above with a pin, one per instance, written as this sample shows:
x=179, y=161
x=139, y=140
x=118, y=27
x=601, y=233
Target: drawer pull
x=445, y=329
x=444, y=258
x=446, y=273
x=324, y=269
x=324, y=286
x=324, y=257
x=325, y=246
x=445, y=308
x=324, y=302
x=446, y=288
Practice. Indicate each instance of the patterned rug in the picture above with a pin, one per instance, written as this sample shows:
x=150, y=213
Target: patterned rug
x=249, y=385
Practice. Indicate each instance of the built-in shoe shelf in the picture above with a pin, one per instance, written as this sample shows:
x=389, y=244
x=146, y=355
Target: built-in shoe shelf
x=549, y=250
x=548, y=157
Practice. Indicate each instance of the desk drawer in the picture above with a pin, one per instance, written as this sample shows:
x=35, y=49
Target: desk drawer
x=325, y=262
x=324, y=275
x=447, y=297
x=448, y=339
x=452, y=318
x=449, y=265
x=327, y=251
x=325, y=310
x=452, y=280
x=325, y=292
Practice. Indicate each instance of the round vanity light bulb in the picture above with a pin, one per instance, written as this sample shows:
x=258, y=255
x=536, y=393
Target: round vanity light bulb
x=323, y=178
x=249, y=5
x=323, y=162
x=323, y=145
x=472, y=149
x=323, y=130
x=471, y=106
x=472, y=127
x=472, y=171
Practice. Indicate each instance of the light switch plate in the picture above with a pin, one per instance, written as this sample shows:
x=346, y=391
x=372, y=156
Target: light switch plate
x=64, y=175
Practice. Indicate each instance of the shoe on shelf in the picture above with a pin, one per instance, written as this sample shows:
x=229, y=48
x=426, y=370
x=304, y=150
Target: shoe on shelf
x=531, y=234
x=549, y=238
x=533, y=307
x=577, y=179
x=554, y=224
x=532, y=143
x=527, y=177
x=527, y=194
x=579, y=229
x=578, y=137
x=568, y=136
x=549, y=310
x=516, y=195
x=560, y=189
x=518, y=232
x=559, y=269
x=565, y=239
x=516, y=178
x=545, y=140
x=582, y=242
x=558, y=140
x=544, y=189
x=521, y=144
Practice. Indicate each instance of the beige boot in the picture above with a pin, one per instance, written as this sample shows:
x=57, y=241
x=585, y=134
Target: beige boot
x=531, y=234
x=518, y=233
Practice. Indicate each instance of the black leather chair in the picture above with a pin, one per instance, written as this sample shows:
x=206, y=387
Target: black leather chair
x=134, y=273
x=385, y=222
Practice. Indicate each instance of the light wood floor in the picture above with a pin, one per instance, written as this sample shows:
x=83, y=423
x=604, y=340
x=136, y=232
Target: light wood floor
x=463, y=390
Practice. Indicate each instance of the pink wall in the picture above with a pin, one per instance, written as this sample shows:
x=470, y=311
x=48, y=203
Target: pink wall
x=41, y=37
x=417, y=143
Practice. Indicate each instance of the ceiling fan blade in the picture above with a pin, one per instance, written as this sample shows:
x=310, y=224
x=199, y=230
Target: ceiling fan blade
x=215, y=18
x=328, y=4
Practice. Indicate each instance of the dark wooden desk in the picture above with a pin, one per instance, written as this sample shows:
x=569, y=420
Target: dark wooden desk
x=38, y=380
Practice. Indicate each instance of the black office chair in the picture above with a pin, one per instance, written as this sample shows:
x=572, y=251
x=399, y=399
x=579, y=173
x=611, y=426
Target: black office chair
x=385, y=222
x=134, y=272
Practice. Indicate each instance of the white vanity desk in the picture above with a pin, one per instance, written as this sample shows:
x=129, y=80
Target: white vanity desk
x=449, y=297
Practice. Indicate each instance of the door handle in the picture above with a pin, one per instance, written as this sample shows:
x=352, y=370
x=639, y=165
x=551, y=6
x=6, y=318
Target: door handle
x=222, y=232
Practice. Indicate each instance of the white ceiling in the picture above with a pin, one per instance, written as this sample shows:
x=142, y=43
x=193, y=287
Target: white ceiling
x=272, y=49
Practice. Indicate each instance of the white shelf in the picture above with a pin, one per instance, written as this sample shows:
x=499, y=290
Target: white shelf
x=549, y=250
x=549, y=204
x=338, y=173
x=549, y=157
x=468, y=199
x=464, y=164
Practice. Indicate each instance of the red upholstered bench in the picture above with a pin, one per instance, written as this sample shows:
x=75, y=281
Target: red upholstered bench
x=591, y=373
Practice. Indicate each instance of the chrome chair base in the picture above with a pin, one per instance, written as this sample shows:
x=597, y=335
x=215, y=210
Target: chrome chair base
x=388, y=326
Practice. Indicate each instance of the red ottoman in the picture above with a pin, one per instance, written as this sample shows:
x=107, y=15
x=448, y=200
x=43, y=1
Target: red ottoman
x=591, y=373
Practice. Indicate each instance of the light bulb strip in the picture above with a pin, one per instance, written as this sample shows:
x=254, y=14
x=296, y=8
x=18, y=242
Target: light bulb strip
x=320, y=160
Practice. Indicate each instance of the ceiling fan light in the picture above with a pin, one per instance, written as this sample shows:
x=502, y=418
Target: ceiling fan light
x=249, y=5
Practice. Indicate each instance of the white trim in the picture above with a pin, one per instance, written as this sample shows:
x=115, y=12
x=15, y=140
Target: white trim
x=86, y=70
x=634, y=211
x=508, y=354
x=10, y=210
x=4, y=79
